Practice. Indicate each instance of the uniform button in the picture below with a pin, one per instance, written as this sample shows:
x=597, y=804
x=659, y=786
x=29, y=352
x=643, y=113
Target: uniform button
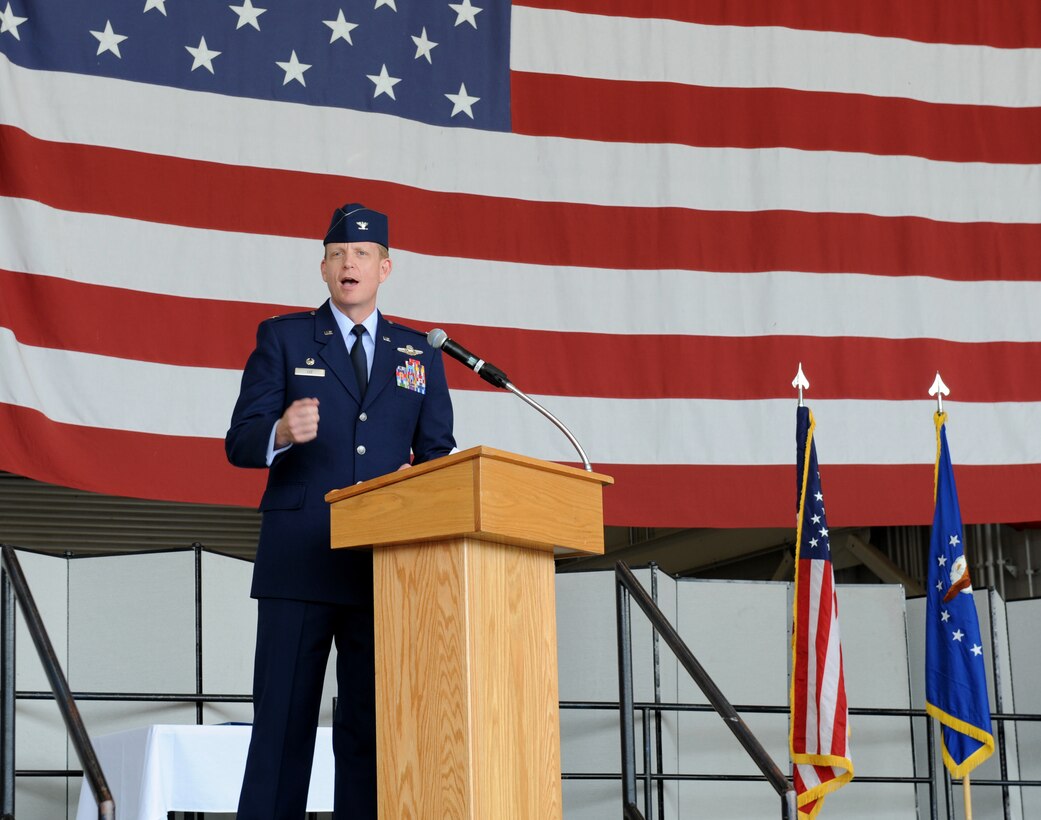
x=361, y=449
x=363, y=417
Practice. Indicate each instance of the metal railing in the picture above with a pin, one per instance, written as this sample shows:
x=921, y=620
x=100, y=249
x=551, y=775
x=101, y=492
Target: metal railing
x=935, y=778
x=628, y=587
x=649, y=778
x=8, y=772
x=14, y=586
x=649, y=712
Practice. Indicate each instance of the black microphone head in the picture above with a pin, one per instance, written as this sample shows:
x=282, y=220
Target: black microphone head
x=437, y=337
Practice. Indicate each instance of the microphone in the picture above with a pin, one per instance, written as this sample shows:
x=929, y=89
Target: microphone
x=486, y=370
x=494, y=376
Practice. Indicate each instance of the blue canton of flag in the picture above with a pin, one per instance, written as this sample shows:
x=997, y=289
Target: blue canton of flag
x=955, y=678
x=438, y=63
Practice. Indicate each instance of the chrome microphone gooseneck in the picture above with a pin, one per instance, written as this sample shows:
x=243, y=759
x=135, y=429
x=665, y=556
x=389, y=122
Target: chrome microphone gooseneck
x=494, y=376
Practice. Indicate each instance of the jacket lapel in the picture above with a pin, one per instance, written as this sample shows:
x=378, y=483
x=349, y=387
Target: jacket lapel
x=333, y=350
x=384, y=361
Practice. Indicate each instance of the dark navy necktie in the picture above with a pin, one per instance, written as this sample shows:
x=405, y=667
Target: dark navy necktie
x=361, y=364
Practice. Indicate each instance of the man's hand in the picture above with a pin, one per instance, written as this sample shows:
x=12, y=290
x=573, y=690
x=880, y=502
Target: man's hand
x=299, y=423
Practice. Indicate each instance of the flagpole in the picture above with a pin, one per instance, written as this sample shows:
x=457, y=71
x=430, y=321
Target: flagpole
x=968, y=796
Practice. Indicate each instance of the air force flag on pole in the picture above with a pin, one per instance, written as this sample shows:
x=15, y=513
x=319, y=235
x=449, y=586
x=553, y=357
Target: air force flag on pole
x=955, y=678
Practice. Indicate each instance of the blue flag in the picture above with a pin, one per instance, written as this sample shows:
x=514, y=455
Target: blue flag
x=955, y=677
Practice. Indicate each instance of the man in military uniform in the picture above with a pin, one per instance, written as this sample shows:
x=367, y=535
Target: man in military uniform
x=329, y=397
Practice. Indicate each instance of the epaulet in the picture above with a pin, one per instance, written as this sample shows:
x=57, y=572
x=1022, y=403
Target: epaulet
x=406, y=328
x=281, y=317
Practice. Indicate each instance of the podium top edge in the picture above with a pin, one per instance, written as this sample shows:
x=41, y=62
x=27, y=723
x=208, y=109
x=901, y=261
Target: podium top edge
x=470, y=454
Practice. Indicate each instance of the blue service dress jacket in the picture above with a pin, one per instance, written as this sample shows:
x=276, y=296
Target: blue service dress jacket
x=406, y=411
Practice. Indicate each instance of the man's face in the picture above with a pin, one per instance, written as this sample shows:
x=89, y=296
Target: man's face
x=353, y=272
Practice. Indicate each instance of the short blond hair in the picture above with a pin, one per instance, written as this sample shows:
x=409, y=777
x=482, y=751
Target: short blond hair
x=384, y=251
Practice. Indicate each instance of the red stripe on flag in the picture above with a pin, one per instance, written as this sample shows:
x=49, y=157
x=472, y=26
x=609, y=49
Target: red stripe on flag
x=141, y=465
x=45, y=311
x=858, y=494
x=800, y=672
x=238, y=199
x=117, y=462
x=1003, y=23
x=826, y=620
x=773, y=117
x=839, y=735
x=754, y=367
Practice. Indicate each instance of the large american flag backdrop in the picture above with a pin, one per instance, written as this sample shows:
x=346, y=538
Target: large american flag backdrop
x=646, y=213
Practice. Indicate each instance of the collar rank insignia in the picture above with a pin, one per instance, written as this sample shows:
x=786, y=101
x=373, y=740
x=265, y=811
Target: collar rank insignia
x=309, y=361
x=386, y=338
x=409, y=350
x=327, y=332
x=362, y=226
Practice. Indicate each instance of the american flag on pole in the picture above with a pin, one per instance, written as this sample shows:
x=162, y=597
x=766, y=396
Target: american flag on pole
x=819, y=733
x=642, y=211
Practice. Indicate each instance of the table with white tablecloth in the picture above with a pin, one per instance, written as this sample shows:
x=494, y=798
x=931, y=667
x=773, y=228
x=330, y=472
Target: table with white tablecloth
x=185, y=768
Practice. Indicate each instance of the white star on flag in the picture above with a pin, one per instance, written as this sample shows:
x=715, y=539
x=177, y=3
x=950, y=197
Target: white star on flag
x=384, y=83
x=247, y=15
x=462, y=101
x=156, y=4
x=423, y=45
x=816, y=519
x=465, y=13
x=203, y=56
x=813, y=542
x=341, y=28
x=10, y=22
x=108, y=40
x=955, y=540
x=957, y=634
x=977, y=649
x=294, y=69
x=942, y=560
x=819, y=496
x=390, y=3
x=945, y=616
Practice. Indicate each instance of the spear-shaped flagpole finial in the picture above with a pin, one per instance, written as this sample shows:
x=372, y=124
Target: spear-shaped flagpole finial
x=939, y=389
x=801, y=382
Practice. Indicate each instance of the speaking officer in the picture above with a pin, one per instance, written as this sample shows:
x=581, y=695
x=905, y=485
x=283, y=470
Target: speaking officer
x=329, y=397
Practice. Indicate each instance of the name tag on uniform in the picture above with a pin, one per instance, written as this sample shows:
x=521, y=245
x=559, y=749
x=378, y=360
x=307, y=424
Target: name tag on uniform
x=309, y=371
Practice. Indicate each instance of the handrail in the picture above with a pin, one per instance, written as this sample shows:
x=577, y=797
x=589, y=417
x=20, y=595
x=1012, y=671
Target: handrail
x=630, y=811
x=59, y=685
x=626, y=586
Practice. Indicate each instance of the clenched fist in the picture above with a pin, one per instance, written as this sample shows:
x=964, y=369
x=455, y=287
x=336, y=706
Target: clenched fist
x=299, y=423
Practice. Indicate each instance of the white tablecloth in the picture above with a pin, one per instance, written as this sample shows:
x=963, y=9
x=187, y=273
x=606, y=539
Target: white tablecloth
x=166, y=768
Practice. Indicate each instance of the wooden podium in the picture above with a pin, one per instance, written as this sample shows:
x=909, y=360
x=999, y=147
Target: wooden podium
x=467, y=716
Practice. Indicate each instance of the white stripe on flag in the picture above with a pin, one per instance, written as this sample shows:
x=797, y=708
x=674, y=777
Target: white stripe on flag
x=188, y=262
x=123, y=394
x=772, y=57
x=161, y=120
